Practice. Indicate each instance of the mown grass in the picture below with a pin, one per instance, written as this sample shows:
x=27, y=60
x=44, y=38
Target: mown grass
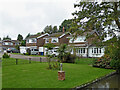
x=36, y=75
x=12, y=61
x=29, y=55
x=85, y=61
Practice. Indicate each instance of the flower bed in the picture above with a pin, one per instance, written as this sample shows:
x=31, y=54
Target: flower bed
x=103, y=62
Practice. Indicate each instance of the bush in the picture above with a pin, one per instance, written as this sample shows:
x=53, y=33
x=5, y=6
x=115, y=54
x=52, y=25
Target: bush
x=6, y=55
x=28, y=51
x=70, y=58
x=103, y=62
x=115, y=64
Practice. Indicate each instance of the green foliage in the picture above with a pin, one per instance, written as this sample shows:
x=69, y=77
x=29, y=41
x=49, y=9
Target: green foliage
x=6, y=38
x=66, y=24
x=115, y=64
x=49, y=46
x=5, y=55
x=70, y=58
x=113, y=50
x=23, y=43
x=103, y=62
x=17, y=47
x=28, y=51
x=50, y=29
x=20, y=37
x=97, y=16
x=62, y=52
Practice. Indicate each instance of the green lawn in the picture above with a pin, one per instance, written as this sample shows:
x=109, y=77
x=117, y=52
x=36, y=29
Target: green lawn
x=29, y=55
x=35, y=75
x=12, y=61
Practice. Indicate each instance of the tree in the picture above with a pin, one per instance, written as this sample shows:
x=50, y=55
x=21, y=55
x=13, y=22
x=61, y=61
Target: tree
x=49, y=47
x=97, y=16
x=48, y=29
x=62, y=52
x=20, y=37
x=113, y=51
x=66, y=24
x=103, y=17
x=6, y=38
x=55, y=30
x=23, y=43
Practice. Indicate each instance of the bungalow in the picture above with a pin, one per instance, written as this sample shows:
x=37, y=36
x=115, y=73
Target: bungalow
x=83, y=47
x=0, y=46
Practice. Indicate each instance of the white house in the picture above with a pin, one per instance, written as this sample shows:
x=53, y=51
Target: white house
x=83, y=47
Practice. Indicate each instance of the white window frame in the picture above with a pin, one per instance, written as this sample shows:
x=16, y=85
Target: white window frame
x=54, y=39
x=47, y=40
x=96, y=50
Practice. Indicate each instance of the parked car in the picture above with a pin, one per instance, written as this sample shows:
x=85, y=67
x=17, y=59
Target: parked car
x=12, y=50
x=34, y=51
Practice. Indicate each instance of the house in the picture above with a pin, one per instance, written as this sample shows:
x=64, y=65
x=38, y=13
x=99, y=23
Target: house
x=9, y=44
x=56, y=39
x=36, y=42
x=0, y=46
x=83, y=46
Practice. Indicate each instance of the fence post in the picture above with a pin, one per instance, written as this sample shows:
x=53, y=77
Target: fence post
x=40, y=59
x=16, y=61
x=29, y=60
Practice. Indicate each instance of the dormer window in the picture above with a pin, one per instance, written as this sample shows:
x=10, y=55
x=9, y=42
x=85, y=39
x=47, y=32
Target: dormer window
x=54, y=40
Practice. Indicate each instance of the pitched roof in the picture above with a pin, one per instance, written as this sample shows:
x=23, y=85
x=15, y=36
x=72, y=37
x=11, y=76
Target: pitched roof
x=58, y=35
x=10, y=40
x=34, y=36
x=85, y=33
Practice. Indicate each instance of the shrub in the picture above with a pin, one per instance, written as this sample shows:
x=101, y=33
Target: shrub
x=6, y=55
x=70, y=58
x=115, y=64
x=28, y=51
x=102, y=62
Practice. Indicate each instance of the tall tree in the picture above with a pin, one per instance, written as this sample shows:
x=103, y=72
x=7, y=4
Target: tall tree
x=103, y=17
x=66, y=24
x=6, y=38
x=20, y=37
x=48, y=29
x=55, y=30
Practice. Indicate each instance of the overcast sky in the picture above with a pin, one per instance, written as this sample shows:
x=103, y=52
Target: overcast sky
x=31, y=16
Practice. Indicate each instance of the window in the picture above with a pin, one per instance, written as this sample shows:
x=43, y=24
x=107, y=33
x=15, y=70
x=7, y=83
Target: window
x=80, y=50
x=100, y=50
x=96, y=50
x=33, y=40
x=47, y=41
x=54, y=40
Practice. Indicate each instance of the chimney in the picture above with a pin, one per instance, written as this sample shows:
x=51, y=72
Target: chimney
x=63, y=29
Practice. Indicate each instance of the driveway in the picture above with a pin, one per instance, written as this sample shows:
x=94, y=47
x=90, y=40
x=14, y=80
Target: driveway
x=41, y=59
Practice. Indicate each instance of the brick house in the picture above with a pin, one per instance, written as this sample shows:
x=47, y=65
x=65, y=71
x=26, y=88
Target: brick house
x=9, y=44
x=57, y=39
x=36, y=42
